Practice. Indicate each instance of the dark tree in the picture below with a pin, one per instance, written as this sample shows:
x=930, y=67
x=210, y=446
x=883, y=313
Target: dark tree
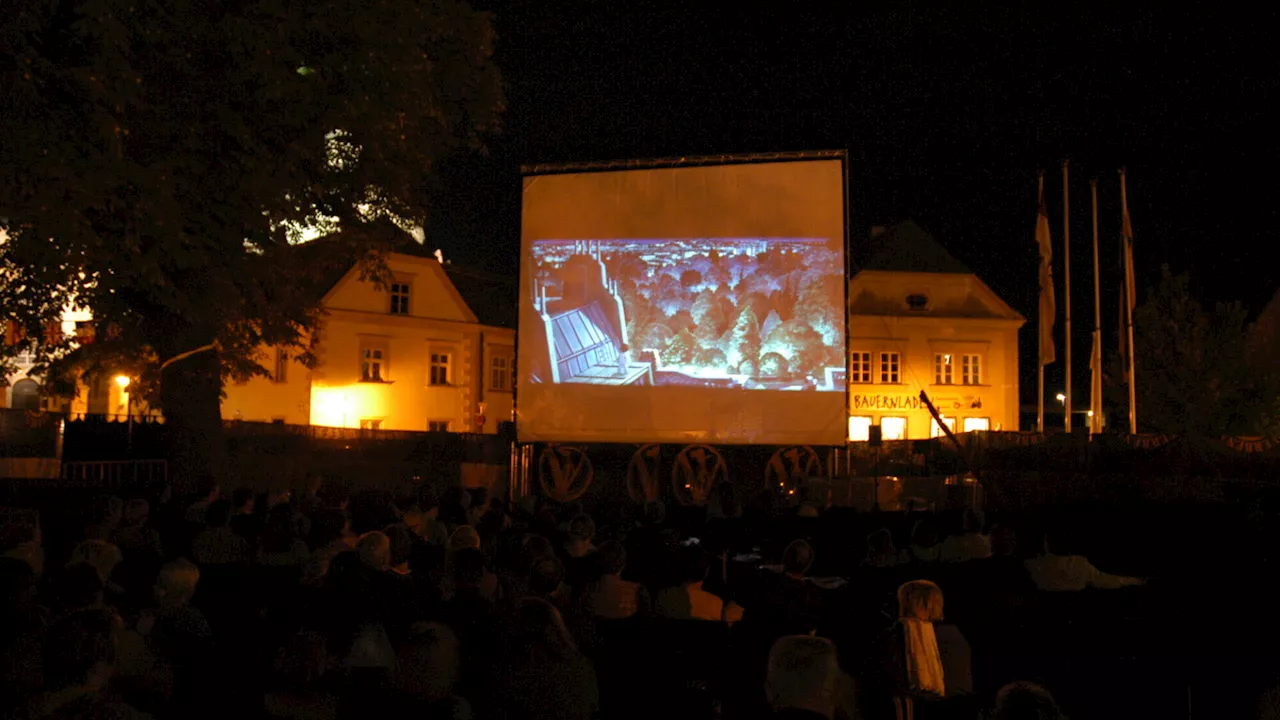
x=1193, y=371
x=159, y=157
x=1263, y=354
x=690, y=278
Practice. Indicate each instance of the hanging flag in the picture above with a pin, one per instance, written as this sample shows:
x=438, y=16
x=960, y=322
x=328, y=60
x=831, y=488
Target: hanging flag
x=1048, y=308
x=86, y=333
x=14, y=333
x=53, y=332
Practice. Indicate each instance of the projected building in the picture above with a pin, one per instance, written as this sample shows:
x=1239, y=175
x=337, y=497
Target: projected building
x=920, y=320
x=583, y=320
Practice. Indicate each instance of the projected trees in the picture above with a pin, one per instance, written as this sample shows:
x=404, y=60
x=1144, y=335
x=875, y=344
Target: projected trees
x=721, y=311
x=681, y=349
x=744, y=342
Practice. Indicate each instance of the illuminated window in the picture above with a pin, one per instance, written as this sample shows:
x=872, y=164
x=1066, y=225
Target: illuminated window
x=942, y=369
x=437, y=426
x=374, y=361
x=860, y=367
x=500, y=373
x=370, y=423
x=935, y=430
x=441, y=368
x=972, y=424
x=893, y=428
x=400, y=298
x=859, y=428
x=889, y=367
x=282, y=366
x=972, y=370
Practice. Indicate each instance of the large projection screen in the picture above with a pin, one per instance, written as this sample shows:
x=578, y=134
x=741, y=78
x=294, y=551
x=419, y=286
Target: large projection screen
x=685, y=303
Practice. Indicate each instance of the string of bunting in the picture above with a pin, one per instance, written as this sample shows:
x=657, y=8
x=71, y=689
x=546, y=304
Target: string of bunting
x=1147, y=442
x=1254, y=444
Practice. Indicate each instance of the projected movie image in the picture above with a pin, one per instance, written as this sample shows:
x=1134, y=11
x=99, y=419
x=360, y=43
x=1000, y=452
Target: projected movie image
x=756, y=313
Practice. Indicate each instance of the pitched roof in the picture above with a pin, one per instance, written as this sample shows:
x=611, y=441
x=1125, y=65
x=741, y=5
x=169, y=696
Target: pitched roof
x=906, y=247
x=490, y=297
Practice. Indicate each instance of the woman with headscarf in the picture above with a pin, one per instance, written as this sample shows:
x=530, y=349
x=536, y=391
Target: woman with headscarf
x=923, y=666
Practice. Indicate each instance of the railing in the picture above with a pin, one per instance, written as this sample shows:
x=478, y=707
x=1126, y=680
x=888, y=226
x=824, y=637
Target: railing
x=138, y=418
x=321, y=432
x=115, y=474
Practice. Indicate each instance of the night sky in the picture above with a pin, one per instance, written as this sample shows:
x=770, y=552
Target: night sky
x=947, y=114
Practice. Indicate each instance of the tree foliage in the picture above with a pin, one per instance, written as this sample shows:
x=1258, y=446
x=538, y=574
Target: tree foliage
x=1195, y=374
x=744, y=341
x=158, y=155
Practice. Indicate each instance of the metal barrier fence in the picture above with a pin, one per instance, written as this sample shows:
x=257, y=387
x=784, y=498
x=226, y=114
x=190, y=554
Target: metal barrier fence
x=115, y=474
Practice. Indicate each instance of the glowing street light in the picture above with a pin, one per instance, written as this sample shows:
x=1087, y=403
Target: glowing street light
x=1062, y=398
x=123, y=381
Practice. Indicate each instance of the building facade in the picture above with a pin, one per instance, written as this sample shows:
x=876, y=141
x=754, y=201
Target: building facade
x=919, y=320
x=104, y=394
x=412, y=355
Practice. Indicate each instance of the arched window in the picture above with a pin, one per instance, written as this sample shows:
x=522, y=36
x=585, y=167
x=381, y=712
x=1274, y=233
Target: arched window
x=26, y=395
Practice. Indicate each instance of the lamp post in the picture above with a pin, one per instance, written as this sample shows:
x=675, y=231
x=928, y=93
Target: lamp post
x=123, y=382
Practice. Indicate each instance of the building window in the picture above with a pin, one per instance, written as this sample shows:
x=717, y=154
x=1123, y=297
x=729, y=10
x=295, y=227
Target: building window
x=893, y=428
x=400, y=298
x=374, y=362
x=972, y=370
x=973, y=424
x=437, y=426
x=935, y=430
x=889, y=367
x=441, y=368
x=26, y=395
x=370, y=423
x=282, y=366
x=859, y=428
x=500, y=373
x=942, y=374
x=860, y=367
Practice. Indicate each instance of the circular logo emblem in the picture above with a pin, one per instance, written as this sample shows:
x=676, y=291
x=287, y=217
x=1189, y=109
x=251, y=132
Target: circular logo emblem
x=643, y=473
x=791, y=467
x=564, y=472
x=697, y=469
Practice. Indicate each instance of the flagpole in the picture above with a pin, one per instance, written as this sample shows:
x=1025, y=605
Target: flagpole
x=1040, y=346
x=1095, y=378
x=1040, y=397
x=1066, y=293
x=1130, y=296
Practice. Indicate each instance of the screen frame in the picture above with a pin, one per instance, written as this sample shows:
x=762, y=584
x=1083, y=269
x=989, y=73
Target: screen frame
x=544, y=169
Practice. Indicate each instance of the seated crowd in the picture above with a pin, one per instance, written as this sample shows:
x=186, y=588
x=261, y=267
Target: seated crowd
x=452, y=605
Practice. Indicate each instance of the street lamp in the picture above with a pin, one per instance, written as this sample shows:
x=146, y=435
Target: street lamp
x=123, y=381
x=1062, y=398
